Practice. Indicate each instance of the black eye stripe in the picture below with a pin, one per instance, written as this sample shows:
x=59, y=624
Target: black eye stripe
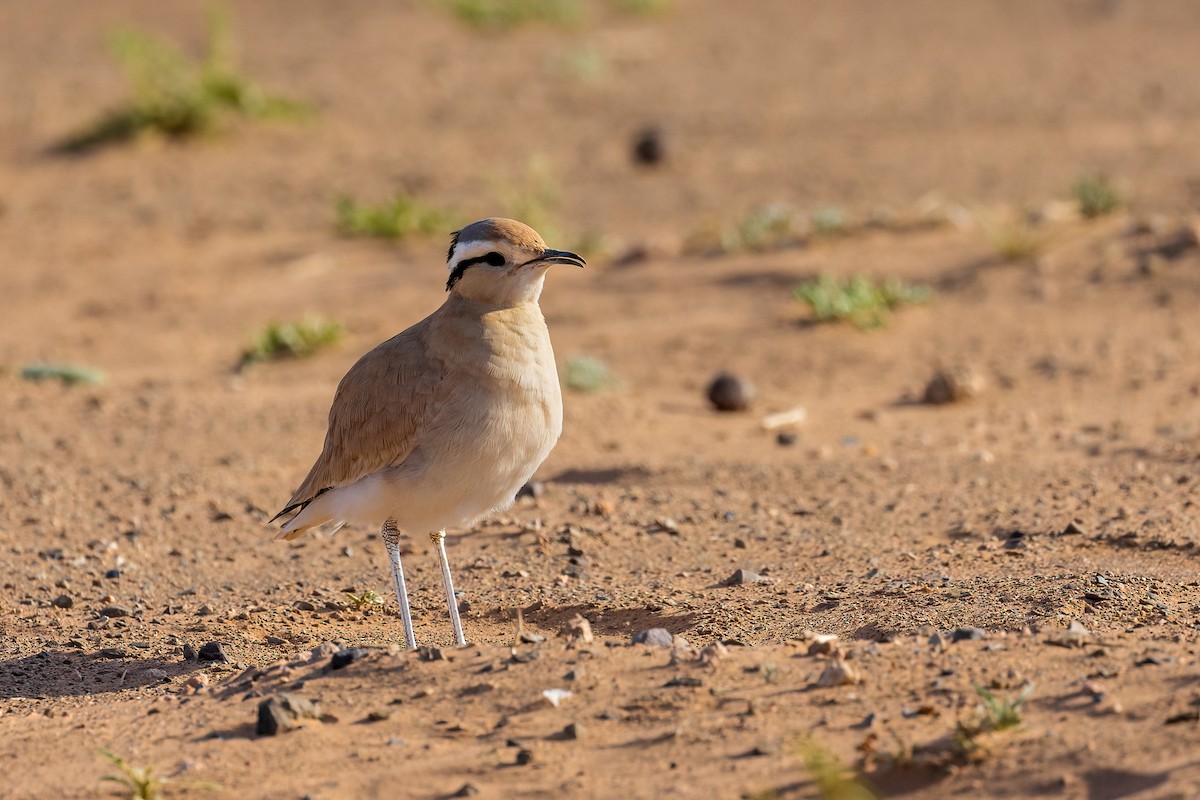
x=493, y=259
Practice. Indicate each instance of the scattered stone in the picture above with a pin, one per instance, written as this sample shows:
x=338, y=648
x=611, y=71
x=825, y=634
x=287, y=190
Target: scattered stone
x=467, y=790
x=838, y=673
x=189, y=653
x=1074, y=528
x=205, y=611
x=64, y=601
x=533, y=489
x=741, y=576
x=347, y=656
x=575, y=730
x=936, y=641
x=213, y=651
x=112, y=652
x=822, y=644
x=654, y=637
x=276, y=640
x=429, y=653
x=711, y=654
x=556, y=696
x=303, y=605
x=967, y=634
x=579, y=630
x=953, y=386
x=282, y=713
x=195, y=683
x=786, y=439
x=529, y=637
x=112, y=612
x=648, y=147
x=378, y=716
x=524, y=756
x=684, y=681
x=113, y=574
x=1075, y=635
x=157, y=673
x=730, y=393
x=323, y=650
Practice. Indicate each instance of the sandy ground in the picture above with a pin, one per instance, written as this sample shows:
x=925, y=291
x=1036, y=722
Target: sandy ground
x=1065, y=492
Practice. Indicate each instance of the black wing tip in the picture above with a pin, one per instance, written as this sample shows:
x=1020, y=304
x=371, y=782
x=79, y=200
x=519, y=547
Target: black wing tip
x=298, y=507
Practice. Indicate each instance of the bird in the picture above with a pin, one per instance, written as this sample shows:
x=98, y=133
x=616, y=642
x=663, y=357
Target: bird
x=445, y=422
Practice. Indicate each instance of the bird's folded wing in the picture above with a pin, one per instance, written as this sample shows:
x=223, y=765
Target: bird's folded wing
x=379, y=412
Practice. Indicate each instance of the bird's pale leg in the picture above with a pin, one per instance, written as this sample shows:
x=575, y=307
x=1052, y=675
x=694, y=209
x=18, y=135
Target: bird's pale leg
x=391, y=539
x=439, y=539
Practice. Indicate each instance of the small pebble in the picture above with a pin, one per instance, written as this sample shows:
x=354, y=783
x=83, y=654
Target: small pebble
x=112, y=612
x=113, y=574
x=303, y=605
x=189, y=653
x=786, y=438
x=379, y=716
x=648, y=147
x=655, y=637
x=575, y=730
x=741, y=576
x=213, y=651
x=967, y=634
x=347, y=656
x=64, y=601
x=524, y=756
x=467, y=790
x=728, y=392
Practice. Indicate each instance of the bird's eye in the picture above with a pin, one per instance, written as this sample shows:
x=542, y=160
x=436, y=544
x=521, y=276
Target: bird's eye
x=494, y=259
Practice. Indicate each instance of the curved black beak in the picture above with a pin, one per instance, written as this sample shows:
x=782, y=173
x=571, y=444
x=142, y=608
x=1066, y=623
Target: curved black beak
x=558, y=257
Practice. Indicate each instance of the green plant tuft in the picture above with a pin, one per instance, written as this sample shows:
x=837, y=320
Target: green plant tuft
x=834, y=780
x=174, y=97
x=587, y=374
x=69, y=374
x=292, y=339
x=503, y=14
x=994, y=715
x=858, y=300
x=365, y=600
x=1012, y=241
x=1096, y=196
x=404, y=216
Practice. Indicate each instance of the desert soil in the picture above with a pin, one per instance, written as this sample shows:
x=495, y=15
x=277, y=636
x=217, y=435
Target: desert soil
x=1055, y=512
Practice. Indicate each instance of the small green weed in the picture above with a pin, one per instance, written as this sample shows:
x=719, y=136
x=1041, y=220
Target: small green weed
x=994, y=715
x=292, y=339
x=828, y=221
x=175, y=97
x=834, y=780
x=858, y=300
x=69, y=374
x=142, y=783
x=587, y=374
x=1012, y=241
x=503, y=14
x=365, y=600
x=761, y=229
x=1096, y=196
x=404, y=216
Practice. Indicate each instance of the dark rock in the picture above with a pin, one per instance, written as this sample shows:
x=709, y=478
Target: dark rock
x=427, y=653
x=213, y=651
x=282, y=712
x=112, y=652
x=529, y=637
x=953, y=386
x=648, y=148
x=467, y=790
x=575, y=730
x=534, y=489
x=524, y=756
x=730, y=393
x=303, y=605
x=786, y=438
x=347, y=656
x=113, y=574
x=64, y=601
x=378, y=716
x=686, y=681
x=113, y=612
x=741, y=576
x=189, y=653
x=967, y=634
x=655, y=637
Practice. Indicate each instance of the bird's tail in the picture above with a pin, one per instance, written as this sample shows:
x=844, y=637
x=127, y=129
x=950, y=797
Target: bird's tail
x=315, y=514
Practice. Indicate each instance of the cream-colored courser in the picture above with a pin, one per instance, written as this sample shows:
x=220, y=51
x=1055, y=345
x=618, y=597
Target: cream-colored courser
x=445, y=422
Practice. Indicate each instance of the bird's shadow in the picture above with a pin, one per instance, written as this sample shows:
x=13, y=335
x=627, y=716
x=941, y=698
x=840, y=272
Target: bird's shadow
x=67, y=673
x=604, y=622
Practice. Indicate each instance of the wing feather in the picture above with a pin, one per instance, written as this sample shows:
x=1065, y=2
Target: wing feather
x=379, y=412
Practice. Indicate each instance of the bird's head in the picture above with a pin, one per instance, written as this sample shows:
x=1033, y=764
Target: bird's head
x=501, y=262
